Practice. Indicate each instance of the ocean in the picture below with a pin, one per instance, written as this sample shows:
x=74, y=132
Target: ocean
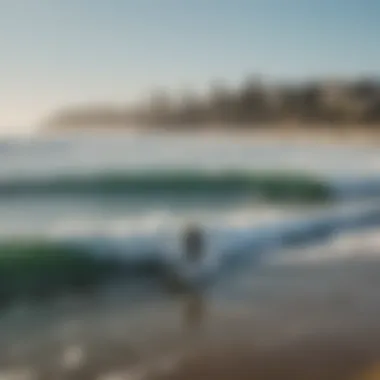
x=86, y=214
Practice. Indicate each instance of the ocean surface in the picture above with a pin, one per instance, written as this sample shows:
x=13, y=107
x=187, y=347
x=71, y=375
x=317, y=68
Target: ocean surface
x=129, y=196
x=43, y=180
x=121, y=201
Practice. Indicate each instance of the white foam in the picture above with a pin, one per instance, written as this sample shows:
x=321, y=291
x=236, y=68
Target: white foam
x=347, y=246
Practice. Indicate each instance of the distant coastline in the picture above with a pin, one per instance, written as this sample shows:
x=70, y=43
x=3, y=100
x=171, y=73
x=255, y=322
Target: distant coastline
x=323, y=106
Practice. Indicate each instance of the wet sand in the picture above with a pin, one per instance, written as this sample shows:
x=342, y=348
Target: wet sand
x=302, y=321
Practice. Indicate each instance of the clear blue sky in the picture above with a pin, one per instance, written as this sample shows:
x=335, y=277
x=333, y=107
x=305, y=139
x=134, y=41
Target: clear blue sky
x=56, y=52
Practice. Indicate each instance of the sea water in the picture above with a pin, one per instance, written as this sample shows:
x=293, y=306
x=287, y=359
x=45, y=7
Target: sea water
x=76, y=208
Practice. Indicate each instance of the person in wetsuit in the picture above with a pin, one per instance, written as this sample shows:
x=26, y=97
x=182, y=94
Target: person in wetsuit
x=184, y=275
x=185, y=269
x=193, y=244
x=194, y=247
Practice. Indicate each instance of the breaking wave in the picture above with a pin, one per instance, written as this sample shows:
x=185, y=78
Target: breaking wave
x=38, y=268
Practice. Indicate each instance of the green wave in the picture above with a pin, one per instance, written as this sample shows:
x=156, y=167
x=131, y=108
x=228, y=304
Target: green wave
x=36, y=270
x=270, y=185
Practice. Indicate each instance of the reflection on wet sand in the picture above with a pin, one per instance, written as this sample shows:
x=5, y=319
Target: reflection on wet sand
x=194, y=312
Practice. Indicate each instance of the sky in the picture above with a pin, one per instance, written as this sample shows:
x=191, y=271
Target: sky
x=55, y=53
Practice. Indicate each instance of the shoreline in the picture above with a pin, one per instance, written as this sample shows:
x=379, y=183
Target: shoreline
x=361, y=135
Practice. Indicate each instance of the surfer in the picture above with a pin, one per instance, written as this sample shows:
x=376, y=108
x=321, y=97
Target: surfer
x=194, y=244
x=186, y=270
x=185, y=276
x=194, y=247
